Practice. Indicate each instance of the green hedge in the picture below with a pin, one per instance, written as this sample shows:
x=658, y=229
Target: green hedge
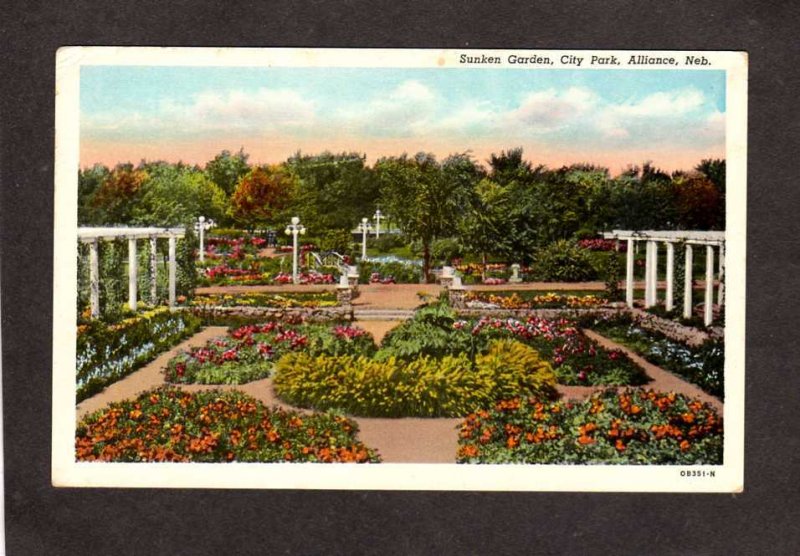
x=106, y=353
x=424, y=387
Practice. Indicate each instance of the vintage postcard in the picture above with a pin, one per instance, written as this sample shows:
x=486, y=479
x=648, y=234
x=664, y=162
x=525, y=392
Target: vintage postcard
x=400, y=269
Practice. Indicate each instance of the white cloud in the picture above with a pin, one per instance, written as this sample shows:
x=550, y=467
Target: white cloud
x=408, y=109
x=263, y=110
x=663, y=104
x=545, y=111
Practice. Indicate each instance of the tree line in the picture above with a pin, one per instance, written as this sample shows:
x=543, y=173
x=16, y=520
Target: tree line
x=505, y=208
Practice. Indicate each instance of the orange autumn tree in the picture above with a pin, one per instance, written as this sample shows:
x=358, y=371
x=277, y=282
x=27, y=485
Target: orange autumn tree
x=699, y=203
x=117, y=193
x=262, y=195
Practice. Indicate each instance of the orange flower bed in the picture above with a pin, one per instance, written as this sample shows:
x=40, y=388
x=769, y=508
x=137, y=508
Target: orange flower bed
x=631, y=427
x=169, y=425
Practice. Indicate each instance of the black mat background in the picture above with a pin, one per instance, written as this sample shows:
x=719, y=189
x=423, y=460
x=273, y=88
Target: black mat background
x=44, y=520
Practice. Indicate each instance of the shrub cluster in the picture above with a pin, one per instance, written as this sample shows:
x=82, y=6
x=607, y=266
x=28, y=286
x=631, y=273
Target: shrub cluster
x=169, y=425
x=399, y=272
x=424, y=387
x=107, y=353
x=631, y=427
x=563, y=261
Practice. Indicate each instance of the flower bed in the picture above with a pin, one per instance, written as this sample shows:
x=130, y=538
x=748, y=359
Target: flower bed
x=631, y=427
x=252, y=272
x=533, y=300
x=423, y=387
x=107, y=353
x=495, y=273
x=247, y=270
x=168, y=425
x=233, y=247
x=577, y=360
x=389, y=270
x=703, y=365
x=282, y=300
x=249, y=352
x=603, y=245
x=305, y=278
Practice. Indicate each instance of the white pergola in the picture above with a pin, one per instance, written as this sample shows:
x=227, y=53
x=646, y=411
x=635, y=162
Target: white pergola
x=93, y=236
x=711, y=241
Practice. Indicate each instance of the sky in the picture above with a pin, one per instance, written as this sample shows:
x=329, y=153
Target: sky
x=673, y=118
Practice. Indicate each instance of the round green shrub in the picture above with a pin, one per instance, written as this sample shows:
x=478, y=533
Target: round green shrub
x=563, y=261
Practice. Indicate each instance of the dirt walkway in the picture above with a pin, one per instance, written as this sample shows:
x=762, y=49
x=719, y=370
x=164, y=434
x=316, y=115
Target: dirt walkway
x=149, y=376
x=663, y=381
x=393, y=296
x=378, y=328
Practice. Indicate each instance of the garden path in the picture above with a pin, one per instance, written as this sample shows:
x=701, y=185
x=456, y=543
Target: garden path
x=663, y=381
x=149, y=376
x=378, y=328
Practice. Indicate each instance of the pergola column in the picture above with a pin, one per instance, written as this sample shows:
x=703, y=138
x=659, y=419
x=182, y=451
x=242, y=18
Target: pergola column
x=709, y=302
x=651, y=274
x=629, y=273
x=721, y=275
x=687, y=284
x=153, y=270
x=133, y=272
x=670, y=275
x=172, y=270
x=94, y=277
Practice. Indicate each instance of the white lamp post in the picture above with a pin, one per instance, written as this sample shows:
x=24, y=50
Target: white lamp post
x=202, y=226
x=378, y=217
x=364, y=227
x=293, y=229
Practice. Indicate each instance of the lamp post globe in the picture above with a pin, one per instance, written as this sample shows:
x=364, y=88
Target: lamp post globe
x=364, y=227
x=378, y=217
x=294, y=229
x=201, y=231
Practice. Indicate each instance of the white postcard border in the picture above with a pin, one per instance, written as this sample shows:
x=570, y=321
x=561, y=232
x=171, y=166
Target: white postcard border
x=727, y=477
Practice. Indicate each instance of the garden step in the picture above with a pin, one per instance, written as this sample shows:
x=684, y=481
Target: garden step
x=382, y=314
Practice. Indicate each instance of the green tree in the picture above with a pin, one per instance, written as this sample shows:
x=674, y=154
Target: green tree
x=643, y=198
x=227, y=169
x=334, y=192
x=89, y=182
x=487, y=228
x=176, y=194
x=427, y=199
